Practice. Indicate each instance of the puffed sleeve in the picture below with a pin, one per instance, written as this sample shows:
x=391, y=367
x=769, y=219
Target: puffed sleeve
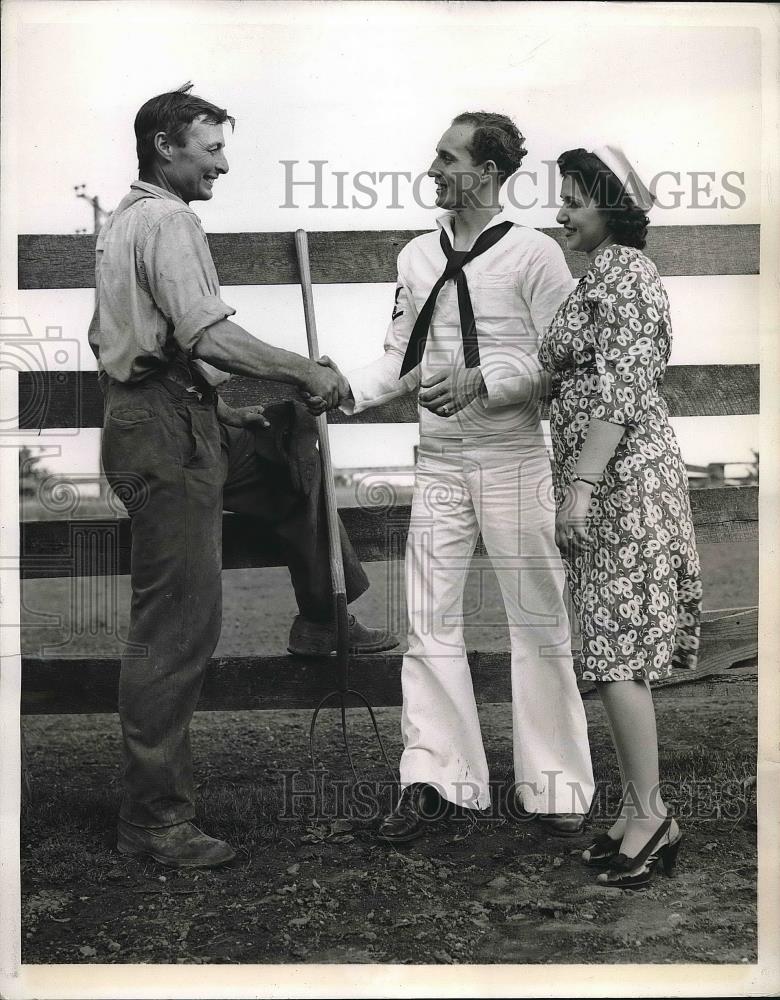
x=182, y=278
x=627, y=319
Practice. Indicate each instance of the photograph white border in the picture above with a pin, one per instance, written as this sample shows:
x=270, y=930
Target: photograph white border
x=80, y=981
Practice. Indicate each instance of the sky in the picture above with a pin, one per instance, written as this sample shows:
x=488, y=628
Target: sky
x=370, y=87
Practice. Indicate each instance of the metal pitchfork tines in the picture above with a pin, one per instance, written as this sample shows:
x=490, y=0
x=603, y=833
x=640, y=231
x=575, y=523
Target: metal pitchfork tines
x=343, y=690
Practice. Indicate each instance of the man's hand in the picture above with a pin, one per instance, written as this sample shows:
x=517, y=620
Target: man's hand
x=316, y=402
x=450, y=390
x=242, y=416
x=571, y=522
x=321, y=387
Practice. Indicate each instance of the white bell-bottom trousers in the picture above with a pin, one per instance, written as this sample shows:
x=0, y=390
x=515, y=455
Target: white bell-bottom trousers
x=505, y=491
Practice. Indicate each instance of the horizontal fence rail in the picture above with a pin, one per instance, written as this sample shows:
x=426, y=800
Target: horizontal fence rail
x=51, y=685
x=101, y=547
x=49, y=400
x=52, y=261
x=87, y=548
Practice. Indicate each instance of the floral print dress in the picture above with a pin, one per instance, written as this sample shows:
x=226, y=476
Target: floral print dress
x=636, y=585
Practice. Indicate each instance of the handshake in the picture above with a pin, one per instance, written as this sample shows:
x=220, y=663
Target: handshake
x=324, y=387
x=444, y=392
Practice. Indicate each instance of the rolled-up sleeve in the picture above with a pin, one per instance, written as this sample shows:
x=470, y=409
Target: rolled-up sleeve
x=182, y=278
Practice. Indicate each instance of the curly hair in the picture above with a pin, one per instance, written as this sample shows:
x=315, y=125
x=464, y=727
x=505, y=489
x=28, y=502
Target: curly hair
x=172, y=113
x=497, y=138
x=627, y=223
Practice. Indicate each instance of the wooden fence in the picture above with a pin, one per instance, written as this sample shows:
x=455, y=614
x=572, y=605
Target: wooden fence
x=88, y=548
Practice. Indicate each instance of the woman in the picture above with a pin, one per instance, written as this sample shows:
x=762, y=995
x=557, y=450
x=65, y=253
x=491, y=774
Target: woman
x=624, y=519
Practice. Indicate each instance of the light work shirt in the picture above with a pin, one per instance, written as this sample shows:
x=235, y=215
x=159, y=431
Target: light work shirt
x=516, y=287
x=156, y=286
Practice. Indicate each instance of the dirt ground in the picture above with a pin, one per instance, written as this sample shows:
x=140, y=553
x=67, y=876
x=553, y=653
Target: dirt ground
x=311, y=883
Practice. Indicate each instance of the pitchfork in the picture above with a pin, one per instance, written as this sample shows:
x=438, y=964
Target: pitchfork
x=343, y=690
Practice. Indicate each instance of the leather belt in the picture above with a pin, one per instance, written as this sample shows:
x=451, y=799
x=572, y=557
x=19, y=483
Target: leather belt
x=199, y=392
x=188, y=385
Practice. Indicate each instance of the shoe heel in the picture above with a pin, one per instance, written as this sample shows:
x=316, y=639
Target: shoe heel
x=667, y=856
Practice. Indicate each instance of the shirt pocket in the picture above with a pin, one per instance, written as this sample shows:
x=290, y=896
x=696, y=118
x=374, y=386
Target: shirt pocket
x=495, y=295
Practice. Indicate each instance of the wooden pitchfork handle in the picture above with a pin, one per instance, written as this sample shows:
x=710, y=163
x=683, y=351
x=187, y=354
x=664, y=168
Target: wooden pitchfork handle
x=334, y=536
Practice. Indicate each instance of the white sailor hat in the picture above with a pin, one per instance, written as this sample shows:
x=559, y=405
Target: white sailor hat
x=616, y=160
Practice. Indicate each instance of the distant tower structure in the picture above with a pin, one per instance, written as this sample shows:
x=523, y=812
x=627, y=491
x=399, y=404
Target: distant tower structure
x=99, y=214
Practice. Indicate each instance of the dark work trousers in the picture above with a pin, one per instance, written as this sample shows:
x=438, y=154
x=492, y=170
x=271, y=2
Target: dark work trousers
x=175, y=468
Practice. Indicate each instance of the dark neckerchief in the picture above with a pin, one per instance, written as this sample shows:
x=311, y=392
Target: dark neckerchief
x=456, y=261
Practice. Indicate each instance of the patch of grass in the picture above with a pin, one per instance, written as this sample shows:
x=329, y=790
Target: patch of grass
x=244, y=815
x=699, y=786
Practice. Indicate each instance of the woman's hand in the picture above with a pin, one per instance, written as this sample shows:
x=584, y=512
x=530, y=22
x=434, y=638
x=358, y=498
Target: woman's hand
x=571, y=527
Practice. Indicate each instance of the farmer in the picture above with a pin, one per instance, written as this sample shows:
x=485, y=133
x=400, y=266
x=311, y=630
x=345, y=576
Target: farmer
x=177, y=455
x=471, y=302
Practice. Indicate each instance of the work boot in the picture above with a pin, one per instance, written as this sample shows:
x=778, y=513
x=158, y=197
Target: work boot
x=180, y=846
x=308, y=638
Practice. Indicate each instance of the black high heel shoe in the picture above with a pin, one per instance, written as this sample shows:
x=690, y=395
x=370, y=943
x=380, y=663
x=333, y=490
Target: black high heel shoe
x=601, y=851
x=653, y=854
